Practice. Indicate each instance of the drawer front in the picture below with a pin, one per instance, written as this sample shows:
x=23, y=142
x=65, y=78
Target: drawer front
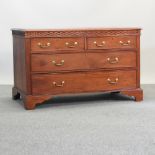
x=58, y=62
x=112, y=59
x=81, y=61
x=82, y=82
x=50, y=44
x=111, y=42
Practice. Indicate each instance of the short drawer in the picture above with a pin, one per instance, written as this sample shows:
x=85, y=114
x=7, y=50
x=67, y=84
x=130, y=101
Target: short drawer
x=50, y=44
x=111, y=42
x=83, y=82
x=116, y=59
x=58, y=62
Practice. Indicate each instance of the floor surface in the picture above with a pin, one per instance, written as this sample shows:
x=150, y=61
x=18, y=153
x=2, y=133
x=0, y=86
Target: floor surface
x=99, y=124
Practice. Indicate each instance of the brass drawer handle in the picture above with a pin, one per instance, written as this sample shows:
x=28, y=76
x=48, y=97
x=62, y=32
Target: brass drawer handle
x=58, y=64
x=112, y=82
x=71, y=44
x=99, y=45
x=46, y=45
x=125, y=44
x=113, y=60
x=59, y=85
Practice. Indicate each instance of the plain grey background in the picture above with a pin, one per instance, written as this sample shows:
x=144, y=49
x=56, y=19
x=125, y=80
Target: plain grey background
x=77, y=13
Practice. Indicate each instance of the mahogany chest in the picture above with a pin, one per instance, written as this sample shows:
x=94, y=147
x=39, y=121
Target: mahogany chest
x=54, y=62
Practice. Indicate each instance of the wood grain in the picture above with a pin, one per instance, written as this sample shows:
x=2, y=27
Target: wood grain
x=58, y=62
x=112, y=42
x=111, y=64
x=82, y=61
x=82, y=82
x=117, y=59
x=19, y=57
x=57, y=44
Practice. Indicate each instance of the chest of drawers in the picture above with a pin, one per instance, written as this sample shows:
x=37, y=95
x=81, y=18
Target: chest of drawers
x=48, y=63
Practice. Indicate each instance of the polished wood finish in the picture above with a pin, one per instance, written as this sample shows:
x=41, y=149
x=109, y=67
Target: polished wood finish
x=137, y=93
x=107, y=60
x=30, y=101
x=56, y=44
x=112, y=42
x=83, y=82
x=82, y=61
x=20, y=63
x=57, y=62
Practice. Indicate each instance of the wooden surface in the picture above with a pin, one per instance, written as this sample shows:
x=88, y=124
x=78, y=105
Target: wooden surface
x=82, y=82
x=57, y=62
x=57, y=44
x=19, y=63
x=82, y=61
x=111, y=42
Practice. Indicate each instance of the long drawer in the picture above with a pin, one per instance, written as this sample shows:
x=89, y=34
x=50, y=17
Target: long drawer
x=80, y=61
x=82, y=82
